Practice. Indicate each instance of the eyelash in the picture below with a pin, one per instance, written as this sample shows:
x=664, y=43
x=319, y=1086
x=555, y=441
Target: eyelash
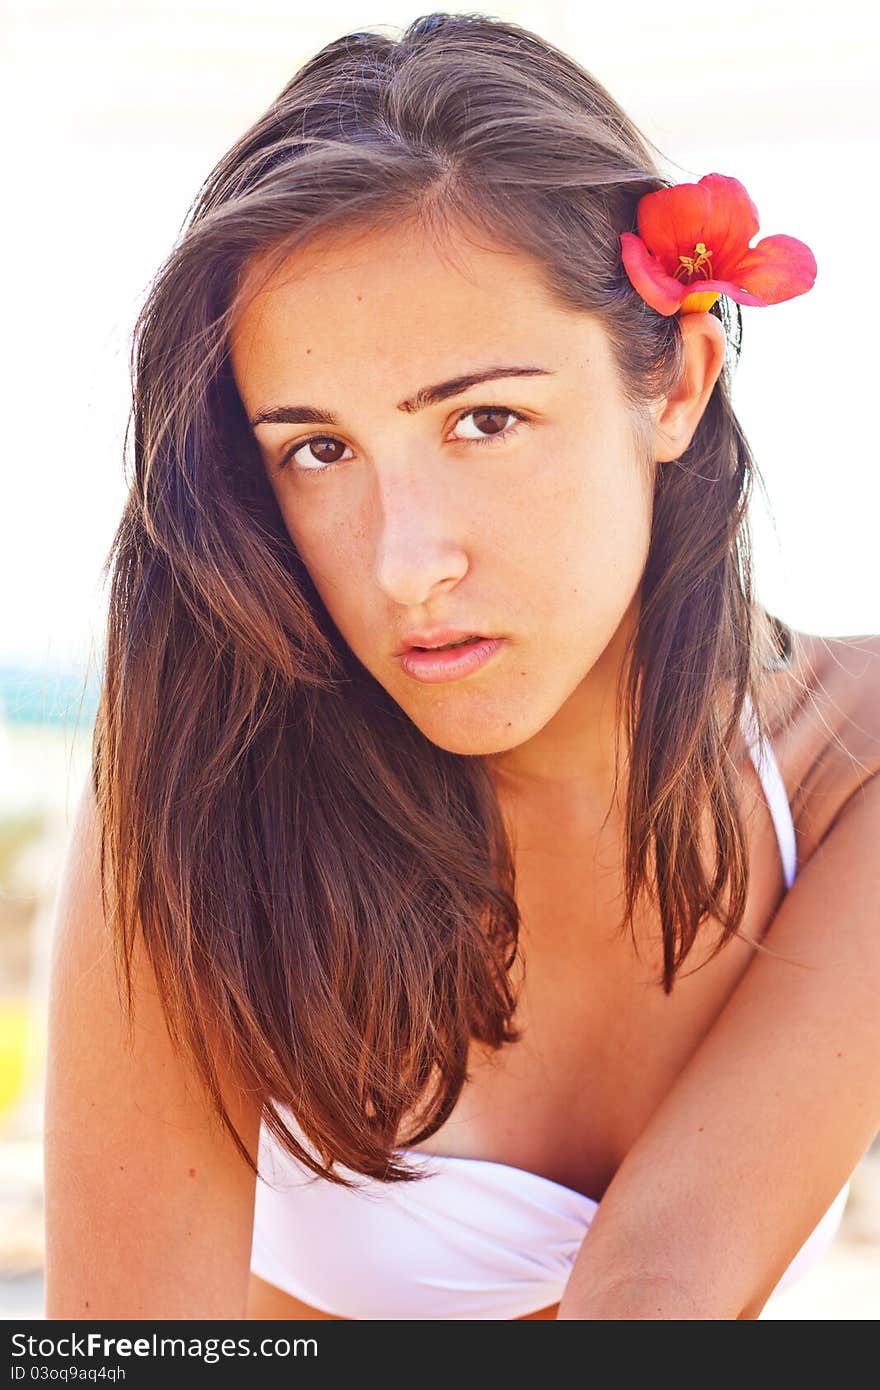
x=490, y=439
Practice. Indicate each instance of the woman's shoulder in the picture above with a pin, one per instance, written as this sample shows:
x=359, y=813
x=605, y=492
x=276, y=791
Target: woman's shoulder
x=823, y=720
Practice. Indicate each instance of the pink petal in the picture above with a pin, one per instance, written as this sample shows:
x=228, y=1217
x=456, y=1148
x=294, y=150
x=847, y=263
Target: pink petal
x=728, y=287
x=648, y=277
x=778, y=268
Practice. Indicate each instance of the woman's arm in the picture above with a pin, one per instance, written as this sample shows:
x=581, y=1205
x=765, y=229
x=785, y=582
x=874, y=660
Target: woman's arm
x=149, y=1206
x=769, y=1118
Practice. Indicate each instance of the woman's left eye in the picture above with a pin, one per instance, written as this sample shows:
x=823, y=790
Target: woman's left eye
x=490, y=413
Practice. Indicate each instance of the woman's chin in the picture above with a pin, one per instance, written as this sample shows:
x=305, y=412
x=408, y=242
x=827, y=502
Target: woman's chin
x=456, y=737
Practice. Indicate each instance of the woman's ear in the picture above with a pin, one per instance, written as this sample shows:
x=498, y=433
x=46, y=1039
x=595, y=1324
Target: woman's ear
x=678, y=414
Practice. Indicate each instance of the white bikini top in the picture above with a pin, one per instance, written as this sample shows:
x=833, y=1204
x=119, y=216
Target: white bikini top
x=767, y=768
x=476, y=1238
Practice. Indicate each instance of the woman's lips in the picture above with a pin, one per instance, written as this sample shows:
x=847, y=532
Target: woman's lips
x=449, y=663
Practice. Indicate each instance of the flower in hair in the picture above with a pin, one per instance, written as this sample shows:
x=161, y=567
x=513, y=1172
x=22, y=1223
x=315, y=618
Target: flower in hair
x=697, y=235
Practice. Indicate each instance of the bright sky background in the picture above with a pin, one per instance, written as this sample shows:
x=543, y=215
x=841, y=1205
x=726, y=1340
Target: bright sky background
x=115, y=112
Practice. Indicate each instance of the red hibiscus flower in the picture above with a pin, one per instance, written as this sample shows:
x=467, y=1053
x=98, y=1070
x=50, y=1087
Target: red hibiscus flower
x=698, y=234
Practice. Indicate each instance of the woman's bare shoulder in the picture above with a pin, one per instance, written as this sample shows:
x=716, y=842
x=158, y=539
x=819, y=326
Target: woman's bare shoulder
x=824, y=723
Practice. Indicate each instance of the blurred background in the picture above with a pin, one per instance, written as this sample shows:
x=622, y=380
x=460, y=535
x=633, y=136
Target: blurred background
x=115, y=112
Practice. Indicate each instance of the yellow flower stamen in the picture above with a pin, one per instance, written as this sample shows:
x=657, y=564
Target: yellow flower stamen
x=699, y=264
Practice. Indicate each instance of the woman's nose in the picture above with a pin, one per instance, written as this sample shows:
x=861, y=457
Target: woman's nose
x=420, y=542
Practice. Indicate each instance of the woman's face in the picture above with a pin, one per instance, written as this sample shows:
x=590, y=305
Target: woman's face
x=517, y=507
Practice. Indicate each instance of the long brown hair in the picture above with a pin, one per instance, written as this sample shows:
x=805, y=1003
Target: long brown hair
x=313, y=880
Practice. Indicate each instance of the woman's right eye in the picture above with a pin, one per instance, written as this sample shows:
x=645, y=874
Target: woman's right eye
x=319, y=439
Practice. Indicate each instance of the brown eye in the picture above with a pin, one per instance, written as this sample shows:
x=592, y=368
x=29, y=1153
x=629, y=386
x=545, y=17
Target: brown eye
x=329, y=451
x=493, y=418
x=488, y=423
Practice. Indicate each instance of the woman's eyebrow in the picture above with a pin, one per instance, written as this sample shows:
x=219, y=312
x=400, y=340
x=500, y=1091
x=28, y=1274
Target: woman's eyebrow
x=428, y=395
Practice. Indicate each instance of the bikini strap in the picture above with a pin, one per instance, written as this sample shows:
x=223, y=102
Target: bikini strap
x=767, y=768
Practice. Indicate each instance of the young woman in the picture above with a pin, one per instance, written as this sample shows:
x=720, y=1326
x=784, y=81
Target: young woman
x=532, y=979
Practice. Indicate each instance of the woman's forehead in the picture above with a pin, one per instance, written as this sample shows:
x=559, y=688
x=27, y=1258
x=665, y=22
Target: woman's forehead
x=385, y=263
x=394, y=301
